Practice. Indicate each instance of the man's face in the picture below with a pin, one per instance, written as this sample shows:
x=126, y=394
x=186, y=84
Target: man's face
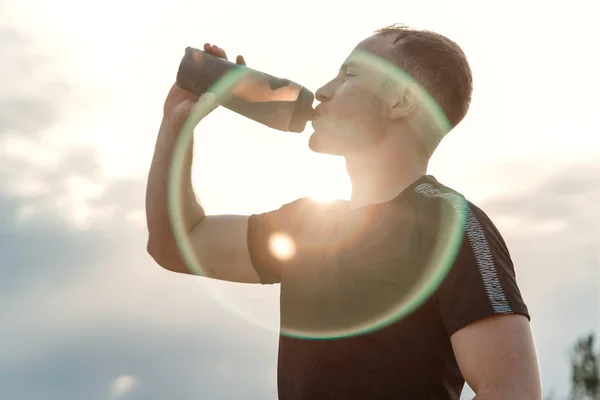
x=352, y=113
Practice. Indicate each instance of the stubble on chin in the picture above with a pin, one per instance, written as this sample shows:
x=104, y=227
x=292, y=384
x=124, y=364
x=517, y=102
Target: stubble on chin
x=324, y=143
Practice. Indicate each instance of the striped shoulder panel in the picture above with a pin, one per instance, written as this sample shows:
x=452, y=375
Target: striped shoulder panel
x=478, y=241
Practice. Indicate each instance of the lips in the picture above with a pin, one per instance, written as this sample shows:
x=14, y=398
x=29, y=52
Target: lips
x=320, y=117
x=318, y=111
x=319, y=122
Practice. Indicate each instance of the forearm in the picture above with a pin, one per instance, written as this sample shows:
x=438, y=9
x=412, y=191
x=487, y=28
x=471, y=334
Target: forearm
x=160, y=226
x=508, y=396
x=533, y=394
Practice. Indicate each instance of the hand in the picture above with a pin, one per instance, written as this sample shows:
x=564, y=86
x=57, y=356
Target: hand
x=179, y=102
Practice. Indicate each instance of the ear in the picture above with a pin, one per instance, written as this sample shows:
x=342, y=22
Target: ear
x=402, y=102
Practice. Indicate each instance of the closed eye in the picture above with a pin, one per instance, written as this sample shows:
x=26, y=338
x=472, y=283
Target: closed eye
x=348, y=70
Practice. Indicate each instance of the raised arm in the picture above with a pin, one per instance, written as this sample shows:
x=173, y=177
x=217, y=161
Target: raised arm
x=219, y=242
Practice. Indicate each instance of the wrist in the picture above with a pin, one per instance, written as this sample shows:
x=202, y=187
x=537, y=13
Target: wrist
x=177, y=116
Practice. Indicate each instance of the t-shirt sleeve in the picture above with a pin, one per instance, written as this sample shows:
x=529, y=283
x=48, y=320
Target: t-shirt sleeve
x=481, y=281
x=272, y=238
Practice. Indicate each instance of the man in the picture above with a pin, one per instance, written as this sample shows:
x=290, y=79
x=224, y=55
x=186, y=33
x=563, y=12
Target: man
x=355, y=261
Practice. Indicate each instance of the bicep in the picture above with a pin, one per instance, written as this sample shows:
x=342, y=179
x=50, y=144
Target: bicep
x=215, y=248
x=236, y=248
x=219, y=249
x=496, y=356
x=485, y=316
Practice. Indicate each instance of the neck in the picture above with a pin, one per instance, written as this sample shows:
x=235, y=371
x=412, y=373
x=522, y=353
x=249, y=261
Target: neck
x=380, y=174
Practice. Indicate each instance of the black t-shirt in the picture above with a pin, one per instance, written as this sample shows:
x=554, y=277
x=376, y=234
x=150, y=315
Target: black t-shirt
x=347, y=274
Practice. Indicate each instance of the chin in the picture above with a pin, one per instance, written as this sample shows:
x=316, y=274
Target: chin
x=323, y=143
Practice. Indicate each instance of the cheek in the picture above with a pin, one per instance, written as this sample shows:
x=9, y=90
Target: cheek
x=354, y=112
x=348, y=104
x=364, y=110
x=360, y=97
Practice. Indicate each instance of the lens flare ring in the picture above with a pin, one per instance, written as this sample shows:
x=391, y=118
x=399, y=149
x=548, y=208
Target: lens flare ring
x=440, y=260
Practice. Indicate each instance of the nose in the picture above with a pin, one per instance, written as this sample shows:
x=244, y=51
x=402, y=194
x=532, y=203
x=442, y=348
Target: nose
x=324, y=93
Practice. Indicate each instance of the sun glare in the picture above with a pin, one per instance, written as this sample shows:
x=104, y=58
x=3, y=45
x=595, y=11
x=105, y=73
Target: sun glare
x=331, y=192
x=282, y=246
x=331, y=183
x=324, y=198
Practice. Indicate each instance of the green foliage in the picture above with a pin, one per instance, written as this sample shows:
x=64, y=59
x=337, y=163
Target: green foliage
x=585, y=374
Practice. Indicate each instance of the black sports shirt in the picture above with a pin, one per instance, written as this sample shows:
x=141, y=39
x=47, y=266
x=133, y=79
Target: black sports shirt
x=346, y=273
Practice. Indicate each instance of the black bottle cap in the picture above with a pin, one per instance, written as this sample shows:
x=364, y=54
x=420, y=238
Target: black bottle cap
x=303, y=111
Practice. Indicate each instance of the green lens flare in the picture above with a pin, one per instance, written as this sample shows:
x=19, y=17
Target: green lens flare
x=356, y=319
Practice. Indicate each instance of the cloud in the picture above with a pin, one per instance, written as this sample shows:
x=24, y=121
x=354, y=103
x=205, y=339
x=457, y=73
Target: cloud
x=81, y=302
x=90, y=302
x=31, y=98
x=552, y=230
x=42, y=235
x=206, y=362
x=569, y=196
x=122, y=385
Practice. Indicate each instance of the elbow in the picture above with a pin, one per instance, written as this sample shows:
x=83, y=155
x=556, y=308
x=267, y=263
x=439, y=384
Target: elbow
x=152, y=248
x=157, y=250
x=166, y=255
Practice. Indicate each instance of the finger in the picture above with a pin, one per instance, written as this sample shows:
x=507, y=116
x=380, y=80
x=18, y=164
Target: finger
x=240, y=60
x=212, y=49
x=220, y=52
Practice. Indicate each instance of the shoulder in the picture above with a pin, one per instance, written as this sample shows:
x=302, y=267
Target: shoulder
x=432, y=194
x=460, y=229
x=442, y=212
x=286, y=236
x=436, y=201
x=299, y=214
x=461, y=239
x=306, y=209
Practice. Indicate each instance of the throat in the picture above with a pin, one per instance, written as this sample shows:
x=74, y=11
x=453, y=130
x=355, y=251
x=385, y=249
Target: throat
x=380, y=185
x=371, y=194
x=379, y=173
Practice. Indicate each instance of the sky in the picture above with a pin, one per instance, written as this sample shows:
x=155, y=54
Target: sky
x=85, y=313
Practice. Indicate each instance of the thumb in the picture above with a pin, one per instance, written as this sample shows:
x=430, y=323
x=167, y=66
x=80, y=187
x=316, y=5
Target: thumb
x=240, y=60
